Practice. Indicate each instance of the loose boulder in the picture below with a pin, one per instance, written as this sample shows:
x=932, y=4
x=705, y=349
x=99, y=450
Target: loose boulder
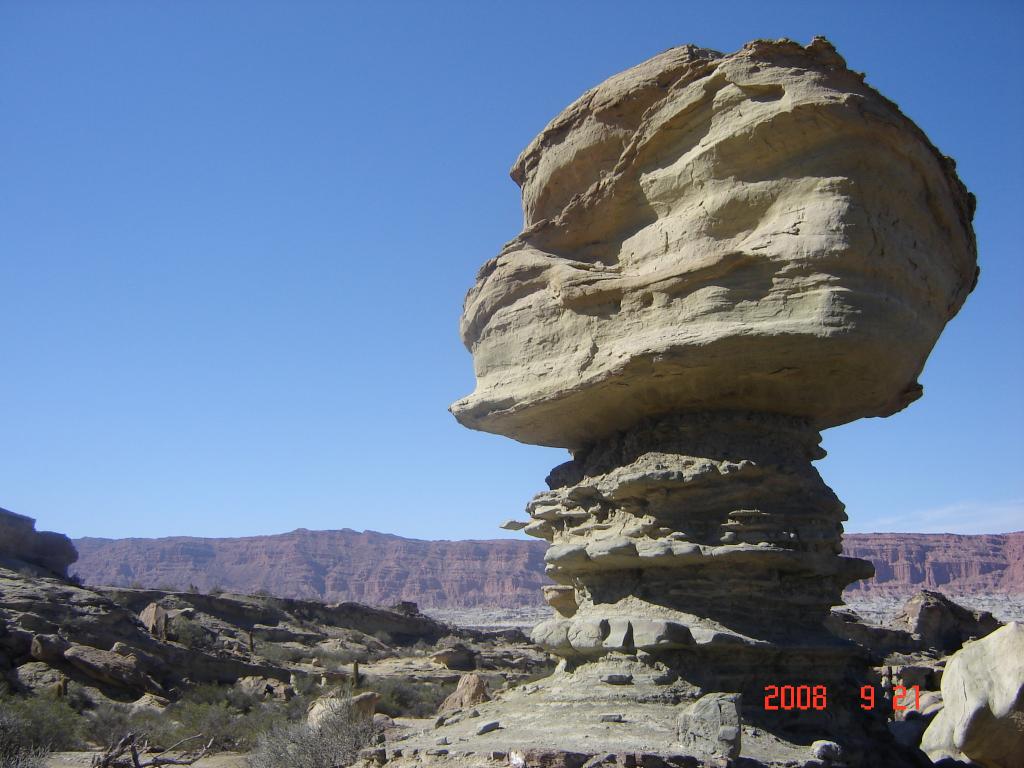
x=711, y=727
x=362, y=707
x=982, y=719
x=154, y=618
x=457, y=657
x=471, y=690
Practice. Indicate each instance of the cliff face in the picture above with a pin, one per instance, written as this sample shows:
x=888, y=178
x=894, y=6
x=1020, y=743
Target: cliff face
x=947, y=562
x=332, y=566
x=381, y=569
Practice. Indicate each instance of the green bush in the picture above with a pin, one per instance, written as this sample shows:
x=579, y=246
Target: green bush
x=280, y=653
x=235, y=720
x=191, y=634
x=107, y=724
x=405, y=698
x=47, y=723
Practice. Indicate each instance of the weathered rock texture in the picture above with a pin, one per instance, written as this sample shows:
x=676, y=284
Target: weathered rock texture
x=695, y=537
x=721, y=256
x=982, y=719
x=708, y=232
x=940, y=623
x=20, y=541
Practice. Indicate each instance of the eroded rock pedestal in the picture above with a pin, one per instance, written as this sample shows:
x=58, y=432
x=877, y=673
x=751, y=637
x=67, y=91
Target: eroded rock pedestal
x=705, y=544
x=721, y=256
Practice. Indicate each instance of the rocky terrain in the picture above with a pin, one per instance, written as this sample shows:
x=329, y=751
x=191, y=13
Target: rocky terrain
x=480, y=577
x=172, y=663
x=97, y=659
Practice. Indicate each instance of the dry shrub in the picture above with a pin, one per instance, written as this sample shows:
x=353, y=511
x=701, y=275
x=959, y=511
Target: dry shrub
x=334, y=742
x=16, y=749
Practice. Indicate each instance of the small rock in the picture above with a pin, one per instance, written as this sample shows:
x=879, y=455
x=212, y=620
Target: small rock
x=613, y=718
x=495, y=755
x=493, y=725
x=826, y=750
x=617, y=679
x=436, y=752
x=442, y=741
x=711, y=726
x=474, y=713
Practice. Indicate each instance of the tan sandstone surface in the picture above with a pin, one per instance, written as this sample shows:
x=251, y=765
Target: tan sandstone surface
x=737, y=232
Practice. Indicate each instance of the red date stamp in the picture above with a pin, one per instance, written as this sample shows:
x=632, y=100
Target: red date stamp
x=806, y=697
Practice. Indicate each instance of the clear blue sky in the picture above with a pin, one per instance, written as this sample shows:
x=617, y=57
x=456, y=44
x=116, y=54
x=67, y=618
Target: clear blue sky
x=235, y=238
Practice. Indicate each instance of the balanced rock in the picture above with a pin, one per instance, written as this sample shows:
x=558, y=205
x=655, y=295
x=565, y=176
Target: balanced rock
x=722, y=255
x=982, y=718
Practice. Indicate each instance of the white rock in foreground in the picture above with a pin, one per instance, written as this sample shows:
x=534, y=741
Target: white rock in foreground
x=983, y=691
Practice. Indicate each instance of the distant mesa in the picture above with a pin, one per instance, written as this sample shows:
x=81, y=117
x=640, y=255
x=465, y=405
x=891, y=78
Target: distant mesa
x=383, y=569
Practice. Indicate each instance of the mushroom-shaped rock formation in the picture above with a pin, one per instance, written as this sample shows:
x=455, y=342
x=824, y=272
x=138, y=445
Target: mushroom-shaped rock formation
x=722, y=255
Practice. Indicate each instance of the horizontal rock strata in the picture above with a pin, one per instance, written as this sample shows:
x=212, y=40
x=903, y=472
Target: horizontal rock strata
x=695, y=536
x=758, y=231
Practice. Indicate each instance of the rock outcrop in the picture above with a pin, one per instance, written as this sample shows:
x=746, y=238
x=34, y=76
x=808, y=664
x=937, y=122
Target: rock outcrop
x=939, y=623
x=84, y=636
x=982, y=719
x=21, y=542
x=722, y=255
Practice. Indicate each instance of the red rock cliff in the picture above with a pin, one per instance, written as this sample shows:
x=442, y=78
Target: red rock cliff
x=381, y=569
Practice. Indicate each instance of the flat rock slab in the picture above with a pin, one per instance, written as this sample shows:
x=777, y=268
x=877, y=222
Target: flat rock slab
x=533, y=722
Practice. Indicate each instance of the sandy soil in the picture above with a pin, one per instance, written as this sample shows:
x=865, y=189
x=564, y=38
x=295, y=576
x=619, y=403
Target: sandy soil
x=84, y=759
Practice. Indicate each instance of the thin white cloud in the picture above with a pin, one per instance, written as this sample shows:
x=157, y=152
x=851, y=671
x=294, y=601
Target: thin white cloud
x=965, y=517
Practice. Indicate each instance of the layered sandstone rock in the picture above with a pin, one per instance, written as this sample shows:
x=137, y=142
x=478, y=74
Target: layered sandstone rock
x=721, y=256
x=708, y=232
x=21, y=542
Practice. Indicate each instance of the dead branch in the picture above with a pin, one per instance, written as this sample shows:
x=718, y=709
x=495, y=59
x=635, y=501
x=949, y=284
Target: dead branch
x=115, y=756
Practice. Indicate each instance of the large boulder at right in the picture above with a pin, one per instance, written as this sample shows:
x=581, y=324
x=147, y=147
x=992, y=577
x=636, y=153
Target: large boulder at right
x=983, y=690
